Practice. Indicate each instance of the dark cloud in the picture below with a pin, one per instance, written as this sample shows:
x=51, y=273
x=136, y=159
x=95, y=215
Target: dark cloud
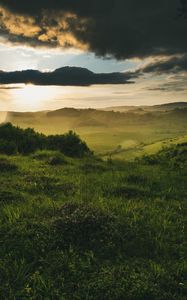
x=72, y=76
x=174, y=64
x=120, y=28
x=182, y=9
x=169, y=87
x=9, y=87
x=176, y=83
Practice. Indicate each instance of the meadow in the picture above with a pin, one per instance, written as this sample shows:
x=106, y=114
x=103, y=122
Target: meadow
x=123, y=133
x=82, y=225
x=84, y=228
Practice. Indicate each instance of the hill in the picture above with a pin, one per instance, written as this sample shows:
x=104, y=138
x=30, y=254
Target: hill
x=106, y=131
x=160, y=107
x=88, y=229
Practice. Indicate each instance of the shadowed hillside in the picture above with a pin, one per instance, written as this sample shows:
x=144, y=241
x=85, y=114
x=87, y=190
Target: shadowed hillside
x=161, y=107
x=108, y=130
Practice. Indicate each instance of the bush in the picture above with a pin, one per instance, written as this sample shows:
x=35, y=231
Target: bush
x=172, y=156
x=69, y=144
x=27, y=141
x=7, y=147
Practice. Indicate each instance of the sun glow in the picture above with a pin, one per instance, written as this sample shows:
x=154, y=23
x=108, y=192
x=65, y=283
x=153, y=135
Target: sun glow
x=3, y=115
x=31, y=97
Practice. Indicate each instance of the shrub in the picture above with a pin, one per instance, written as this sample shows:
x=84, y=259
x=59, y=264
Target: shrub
x=171, y=156
x=27, y=141
x=69, y=144
x=7, y=147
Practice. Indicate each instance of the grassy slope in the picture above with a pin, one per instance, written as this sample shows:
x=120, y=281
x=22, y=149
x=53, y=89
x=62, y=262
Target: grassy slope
x=89, y=229
x=130, y=152
x=159, y=107
x=105, y=131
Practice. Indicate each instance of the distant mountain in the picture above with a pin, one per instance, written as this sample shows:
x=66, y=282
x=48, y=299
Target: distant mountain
x=64, y=119
x=65, y=112
x=74, y=70
x=170, y=106
x=106, y=130
x=144, y=108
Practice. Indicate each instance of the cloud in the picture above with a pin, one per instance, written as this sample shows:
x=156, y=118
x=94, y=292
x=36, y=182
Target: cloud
x=66, y=76
x=9, y=87
x=170, y=87
x=171, y=83
x=174, y=64
x=48, y=30
x=121, y=28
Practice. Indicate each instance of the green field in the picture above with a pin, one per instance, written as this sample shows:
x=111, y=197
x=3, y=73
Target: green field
x=88, y=229
x=125, y=135
x=105, y=226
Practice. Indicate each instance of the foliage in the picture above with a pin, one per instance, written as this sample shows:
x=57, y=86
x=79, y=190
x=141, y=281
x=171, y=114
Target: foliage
x=70, y=144
x=175, y=155
x=7, y=147
x=27, y=141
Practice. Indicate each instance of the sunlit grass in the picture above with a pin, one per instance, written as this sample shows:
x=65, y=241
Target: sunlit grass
x=90, y=229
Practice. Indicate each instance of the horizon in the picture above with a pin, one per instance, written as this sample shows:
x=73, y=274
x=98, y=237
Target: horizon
x=61, y=55
x=93, y=149
x=92, y=108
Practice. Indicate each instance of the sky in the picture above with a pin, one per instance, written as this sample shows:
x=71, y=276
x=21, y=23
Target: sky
x=67, y=53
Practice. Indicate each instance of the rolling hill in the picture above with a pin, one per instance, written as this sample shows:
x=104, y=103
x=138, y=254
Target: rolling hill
x=108, y=130
x=143, y=108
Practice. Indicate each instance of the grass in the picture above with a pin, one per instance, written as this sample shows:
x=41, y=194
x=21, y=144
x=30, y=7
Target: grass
x=89, y=229
x=134, y=134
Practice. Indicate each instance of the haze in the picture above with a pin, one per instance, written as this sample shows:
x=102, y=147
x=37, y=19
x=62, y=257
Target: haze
x=146, y=41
